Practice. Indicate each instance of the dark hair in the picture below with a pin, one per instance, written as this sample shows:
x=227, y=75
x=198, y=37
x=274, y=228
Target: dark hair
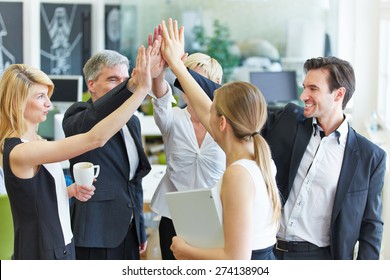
x=341, y=74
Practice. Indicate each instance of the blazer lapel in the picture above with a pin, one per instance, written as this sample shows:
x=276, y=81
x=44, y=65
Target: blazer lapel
x=348, y=169
x=305, y=129
x=144, y=165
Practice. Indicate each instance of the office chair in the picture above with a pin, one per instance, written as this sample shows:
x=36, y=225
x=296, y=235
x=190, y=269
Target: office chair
x=6, y=229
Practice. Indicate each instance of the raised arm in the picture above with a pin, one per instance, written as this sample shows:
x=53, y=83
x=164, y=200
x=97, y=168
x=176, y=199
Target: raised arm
x=172, y=49
x=206, y=84
x=158, y=65
x=38, y=152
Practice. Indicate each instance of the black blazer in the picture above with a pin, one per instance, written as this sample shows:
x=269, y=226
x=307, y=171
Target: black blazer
x=103, y=221
x=357, y=210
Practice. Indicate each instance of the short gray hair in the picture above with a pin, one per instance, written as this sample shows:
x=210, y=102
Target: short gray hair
x=105, y=58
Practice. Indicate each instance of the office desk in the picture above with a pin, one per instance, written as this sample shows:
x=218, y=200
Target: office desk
x=152, y=220
x=151, y=181
x=148, y=126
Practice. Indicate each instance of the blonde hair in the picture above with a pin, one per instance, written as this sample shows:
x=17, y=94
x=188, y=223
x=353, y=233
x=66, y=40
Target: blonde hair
x=210, y=65
x=15, y=89
x=246, y=121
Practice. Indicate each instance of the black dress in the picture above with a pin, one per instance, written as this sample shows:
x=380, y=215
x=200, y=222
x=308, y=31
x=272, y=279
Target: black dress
x=37, y=227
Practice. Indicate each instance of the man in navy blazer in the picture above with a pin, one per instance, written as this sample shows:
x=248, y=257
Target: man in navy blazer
x=330, y=177
x=111, y=224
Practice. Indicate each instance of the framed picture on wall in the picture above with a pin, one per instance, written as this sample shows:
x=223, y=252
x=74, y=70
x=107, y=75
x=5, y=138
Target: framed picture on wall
x=65, y=38
x=129, y=23
x=11, y=34
x=112, y=27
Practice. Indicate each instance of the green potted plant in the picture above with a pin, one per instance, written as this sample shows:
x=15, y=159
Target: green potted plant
x=218, y=46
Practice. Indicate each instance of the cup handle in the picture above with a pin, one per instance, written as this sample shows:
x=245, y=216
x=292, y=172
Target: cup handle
x=97, y=170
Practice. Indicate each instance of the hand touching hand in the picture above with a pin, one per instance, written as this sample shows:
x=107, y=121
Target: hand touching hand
x=141, y=71
x=172, y=47
x=157, y=63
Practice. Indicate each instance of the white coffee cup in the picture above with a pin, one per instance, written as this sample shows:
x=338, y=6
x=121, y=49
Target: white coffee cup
x=85, y=172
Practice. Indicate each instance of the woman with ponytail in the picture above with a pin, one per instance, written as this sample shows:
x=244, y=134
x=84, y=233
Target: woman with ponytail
x=249, y=195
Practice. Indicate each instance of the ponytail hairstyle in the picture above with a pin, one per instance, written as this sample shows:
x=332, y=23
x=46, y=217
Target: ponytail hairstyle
x=246, y=121
x=15, y=89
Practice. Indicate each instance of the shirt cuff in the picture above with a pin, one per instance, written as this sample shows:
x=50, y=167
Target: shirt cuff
x=165, y=99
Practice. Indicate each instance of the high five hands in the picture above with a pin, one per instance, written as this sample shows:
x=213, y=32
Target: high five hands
x=165, y=46
x=171, y=40
x=172, y=47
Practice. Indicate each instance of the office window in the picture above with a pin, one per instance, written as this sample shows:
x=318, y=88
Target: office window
x=384, y=73
x=384, y=65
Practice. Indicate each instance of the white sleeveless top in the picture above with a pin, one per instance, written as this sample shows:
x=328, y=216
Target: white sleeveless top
x=264, y=229
x=56, y=171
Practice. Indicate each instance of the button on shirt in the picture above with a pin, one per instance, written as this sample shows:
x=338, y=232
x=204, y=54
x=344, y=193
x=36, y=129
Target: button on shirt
x=307, y=213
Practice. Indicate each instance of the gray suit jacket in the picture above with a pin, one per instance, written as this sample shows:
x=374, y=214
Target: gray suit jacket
x=103, y=221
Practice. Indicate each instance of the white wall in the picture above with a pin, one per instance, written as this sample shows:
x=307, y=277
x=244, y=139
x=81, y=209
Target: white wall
x=358, y=42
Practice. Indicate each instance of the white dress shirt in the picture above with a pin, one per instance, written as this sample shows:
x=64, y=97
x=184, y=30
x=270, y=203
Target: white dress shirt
x=188, y=165
x=131, y=149
x=307, y=213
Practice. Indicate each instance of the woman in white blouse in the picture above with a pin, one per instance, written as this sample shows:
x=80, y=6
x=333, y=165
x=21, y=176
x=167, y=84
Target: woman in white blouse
x=249, y=195
x=194, y=159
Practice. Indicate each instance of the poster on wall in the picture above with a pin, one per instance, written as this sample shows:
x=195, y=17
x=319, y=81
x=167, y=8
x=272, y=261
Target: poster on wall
x=129, y=23
x=11, y=34
x=112, y=27
x=65, y=38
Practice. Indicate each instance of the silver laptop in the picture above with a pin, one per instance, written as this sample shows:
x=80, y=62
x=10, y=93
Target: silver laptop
x=197, y=216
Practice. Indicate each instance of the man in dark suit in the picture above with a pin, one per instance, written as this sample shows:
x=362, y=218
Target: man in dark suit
x=111, y=224
x=330, y=177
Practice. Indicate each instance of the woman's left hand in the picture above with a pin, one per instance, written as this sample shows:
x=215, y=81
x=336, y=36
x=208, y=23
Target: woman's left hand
x=178, y=248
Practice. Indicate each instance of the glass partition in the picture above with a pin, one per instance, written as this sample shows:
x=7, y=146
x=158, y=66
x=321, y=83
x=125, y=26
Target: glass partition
x=269, y=35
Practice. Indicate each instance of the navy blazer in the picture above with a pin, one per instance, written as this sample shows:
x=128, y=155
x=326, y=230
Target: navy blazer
x=357, y=211
x=103, y=221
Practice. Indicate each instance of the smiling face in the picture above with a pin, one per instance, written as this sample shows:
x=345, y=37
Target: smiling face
x=319, y=101
x=38, y=104
x=107, y=80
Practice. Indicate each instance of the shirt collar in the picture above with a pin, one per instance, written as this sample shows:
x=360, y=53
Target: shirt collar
x=340, y=132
